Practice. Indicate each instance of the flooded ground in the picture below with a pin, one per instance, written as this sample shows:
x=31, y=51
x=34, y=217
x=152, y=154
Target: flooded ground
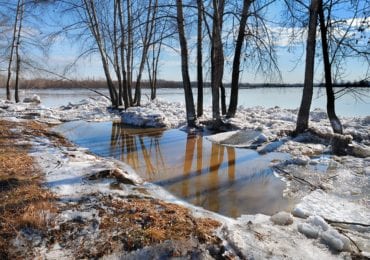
x=223, y=179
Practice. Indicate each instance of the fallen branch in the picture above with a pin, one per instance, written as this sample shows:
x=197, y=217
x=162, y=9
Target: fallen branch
x=315, y=187
x=346, y=223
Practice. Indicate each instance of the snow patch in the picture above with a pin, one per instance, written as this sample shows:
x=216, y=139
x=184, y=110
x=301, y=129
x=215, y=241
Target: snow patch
x=334, y=208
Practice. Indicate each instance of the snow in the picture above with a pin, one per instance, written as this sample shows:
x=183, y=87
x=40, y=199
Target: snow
x=334, y=208
x=338, y=191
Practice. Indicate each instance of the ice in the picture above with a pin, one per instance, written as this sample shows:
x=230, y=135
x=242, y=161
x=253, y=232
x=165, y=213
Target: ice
x=240, y=138
x=308, y=230
x=299, y=213
x=33, y=99
x=318, y=222
x=346, y=200
x=335, y=240
x=334, y=208
x=282, y=218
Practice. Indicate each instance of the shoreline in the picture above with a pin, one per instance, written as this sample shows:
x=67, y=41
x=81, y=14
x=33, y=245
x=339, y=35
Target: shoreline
x=98, y=177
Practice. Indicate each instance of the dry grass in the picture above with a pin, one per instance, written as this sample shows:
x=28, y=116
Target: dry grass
x=150, y=221
x=125, y=224
x=23, y=202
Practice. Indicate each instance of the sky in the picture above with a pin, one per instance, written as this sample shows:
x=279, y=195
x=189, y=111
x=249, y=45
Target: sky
x=291, y=63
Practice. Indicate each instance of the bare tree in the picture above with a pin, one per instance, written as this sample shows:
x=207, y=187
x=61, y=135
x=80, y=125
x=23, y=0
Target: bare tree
x=17, y=56
x=304, y=110
x=146, y=41
x=217, y=59
x=153, y=58
x=189, y=102
x=95, y=29
x=236, y=62
x=200, y=58
x=330, y=105
x=12, y=47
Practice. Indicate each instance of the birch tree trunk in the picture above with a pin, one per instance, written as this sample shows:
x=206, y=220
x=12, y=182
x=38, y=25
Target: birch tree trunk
x=126, y=99
x=148, y=34
x=95, y=30
x=129, y=56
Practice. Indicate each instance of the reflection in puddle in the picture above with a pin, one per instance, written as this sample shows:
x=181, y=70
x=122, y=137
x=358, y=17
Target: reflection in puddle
x=223, y=179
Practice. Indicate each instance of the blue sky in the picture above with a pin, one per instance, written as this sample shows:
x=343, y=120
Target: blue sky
x=291, y=63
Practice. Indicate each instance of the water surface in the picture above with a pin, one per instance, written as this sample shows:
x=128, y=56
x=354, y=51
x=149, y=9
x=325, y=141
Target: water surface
x=222, y=179
x=289, y=98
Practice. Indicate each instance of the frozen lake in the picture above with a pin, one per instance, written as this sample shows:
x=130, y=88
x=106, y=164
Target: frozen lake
x=346, y=105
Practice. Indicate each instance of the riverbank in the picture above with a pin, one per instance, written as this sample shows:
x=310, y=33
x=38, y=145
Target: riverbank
x=104, y=209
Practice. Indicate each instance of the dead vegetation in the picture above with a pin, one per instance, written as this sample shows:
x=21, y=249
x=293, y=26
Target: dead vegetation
x=23, y=202
x=121, y=225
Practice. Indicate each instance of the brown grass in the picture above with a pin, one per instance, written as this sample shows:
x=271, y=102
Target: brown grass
x=23, y=202
x=151, y=221
x=125, y=224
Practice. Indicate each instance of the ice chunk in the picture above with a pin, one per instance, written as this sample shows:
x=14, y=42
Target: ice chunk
x=299, y=213
x=240, y=138
x=282, y=218
x=301, y=160
x=319, y=222
x=308, y=230
x=334, y=208
x=33, y=99
x=335, y=241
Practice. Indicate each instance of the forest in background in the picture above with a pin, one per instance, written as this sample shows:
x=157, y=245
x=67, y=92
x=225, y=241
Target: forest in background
x=40, y=83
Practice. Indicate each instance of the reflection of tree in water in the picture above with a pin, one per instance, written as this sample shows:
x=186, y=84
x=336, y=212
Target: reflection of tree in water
x=209, y=176
x=206, y=194
x=131, y=144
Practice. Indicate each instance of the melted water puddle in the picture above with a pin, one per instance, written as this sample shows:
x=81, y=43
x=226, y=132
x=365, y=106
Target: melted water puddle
x=230, y=181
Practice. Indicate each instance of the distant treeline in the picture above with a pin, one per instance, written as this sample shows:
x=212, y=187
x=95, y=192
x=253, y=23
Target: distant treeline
x=96, y=84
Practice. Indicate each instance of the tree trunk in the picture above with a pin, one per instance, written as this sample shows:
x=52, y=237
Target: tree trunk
x=116, y=11
x=8, y=94
x=199, y=59
x=122, y=56
x=304, y=110
x=18, y=59
x=189, y=102
x=129, y=56
x=223, y=99
x=95, y=30
x=149, y=26
x=236, y=62
x=330, y=105
x=217, y=61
